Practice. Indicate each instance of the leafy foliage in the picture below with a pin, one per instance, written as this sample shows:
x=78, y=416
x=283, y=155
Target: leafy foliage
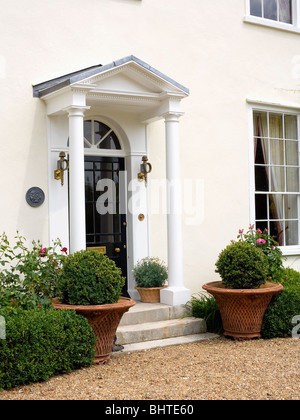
x=283, y=307
x=242, y=266
x=205, y=307
x=41, y=343
x=150, y=272
x=90, y=278
x=265, y=242
x=28, y=277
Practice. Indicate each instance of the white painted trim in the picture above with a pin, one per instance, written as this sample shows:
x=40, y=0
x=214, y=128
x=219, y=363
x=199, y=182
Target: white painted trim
x=266, y=106
x=271, y=24
x=289, y=27
x=251, y=167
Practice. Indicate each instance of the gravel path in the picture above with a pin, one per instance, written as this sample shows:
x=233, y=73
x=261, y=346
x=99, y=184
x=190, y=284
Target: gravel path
x=209, y=370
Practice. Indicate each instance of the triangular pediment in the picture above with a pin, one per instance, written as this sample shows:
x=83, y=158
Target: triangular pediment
x=128, y=84
x=127, y=74
x=124, y=81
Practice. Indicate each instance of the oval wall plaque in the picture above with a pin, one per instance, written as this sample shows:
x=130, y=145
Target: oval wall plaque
x=35, y=196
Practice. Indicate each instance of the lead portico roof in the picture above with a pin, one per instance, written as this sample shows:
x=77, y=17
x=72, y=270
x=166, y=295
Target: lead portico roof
x=44, y=88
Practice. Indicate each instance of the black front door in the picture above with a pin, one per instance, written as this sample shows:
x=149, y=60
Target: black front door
x=105, y=226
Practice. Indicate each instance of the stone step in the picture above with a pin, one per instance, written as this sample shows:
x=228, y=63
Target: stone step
x=159, y=330
x=142, y=313
x=173, y=341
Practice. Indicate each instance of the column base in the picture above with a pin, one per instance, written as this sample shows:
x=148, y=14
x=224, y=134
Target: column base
x=175, y=296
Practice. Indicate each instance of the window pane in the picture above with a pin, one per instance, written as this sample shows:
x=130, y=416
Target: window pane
x=261, y=206
x=255, y=8
x=261, y=178
x=100, y=131
x=290, y=127
x=291, y=206
x=291, y=153
x=276, y=206
x=277, y=179
x=275, y=126
x=276, y=152
x=87, y=133
x=110, y=142
x=292, y=179
x=291, y=232
x=285, y=11
x=261, y=152
x=260, y=124
x=89, y=186
x=89, y=210
x=270, y=9
x=88, y=130
x=262, y=226
x=276, y=230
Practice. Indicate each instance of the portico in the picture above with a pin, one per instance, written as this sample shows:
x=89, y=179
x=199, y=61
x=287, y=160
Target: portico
x=126, y=96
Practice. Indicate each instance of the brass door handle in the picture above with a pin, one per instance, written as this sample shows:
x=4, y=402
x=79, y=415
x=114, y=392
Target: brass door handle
x=117, y=249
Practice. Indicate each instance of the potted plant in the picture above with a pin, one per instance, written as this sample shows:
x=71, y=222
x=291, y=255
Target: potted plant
x=150, y=275
x=91, y=284
x=245, y=291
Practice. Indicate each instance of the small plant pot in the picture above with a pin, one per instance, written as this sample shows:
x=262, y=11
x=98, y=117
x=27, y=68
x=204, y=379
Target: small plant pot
x=242, y=310
x=150, y=294
x=104, y=319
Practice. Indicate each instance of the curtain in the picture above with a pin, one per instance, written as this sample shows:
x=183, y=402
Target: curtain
x=277, y=134
x=292, y=181
x=285, y=11
x=273, y=155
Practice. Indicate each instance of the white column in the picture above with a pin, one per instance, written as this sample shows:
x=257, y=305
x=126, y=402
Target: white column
x=175, y=293
x=76, y=179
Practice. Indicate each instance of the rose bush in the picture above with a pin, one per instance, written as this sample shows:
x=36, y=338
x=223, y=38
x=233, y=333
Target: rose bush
x=28, y=277
x=265, y=242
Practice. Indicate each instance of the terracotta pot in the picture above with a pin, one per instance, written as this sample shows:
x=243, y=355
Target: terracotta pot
x=150, y=294
x=104, y=320
x=242, y=310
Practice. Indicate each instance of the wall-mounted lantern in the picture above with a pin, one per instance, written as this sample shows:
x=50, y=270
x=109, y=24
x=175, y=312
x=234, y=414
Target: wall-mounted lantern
x=146, y=168
x=62, y=166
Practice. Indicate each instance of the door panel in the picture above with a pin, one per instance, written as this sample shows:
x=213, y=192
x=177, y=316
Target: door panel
x=105, y=226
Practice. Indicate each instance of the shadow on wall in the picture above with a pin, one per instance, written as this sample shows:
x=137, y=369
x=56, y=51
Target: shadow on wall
x=32, y=220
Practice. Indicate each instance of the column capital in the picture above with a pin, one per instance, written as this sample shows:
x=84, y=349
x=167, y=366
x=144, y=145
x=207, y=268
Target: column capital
x=172, y=116
x=76, y=111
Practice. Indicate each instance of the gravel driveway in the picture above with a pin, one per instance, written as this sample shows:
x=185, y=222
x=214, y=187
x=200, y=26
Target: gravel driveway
x=209, y=370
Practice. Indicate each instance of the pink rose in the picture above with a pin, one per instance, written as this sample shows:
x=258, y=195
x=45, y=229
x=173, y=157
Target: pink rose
x=261, y=241
x=42, y=252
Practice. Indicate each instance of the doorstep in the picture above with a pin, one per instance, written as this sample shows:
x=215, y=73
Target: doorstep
x=151, y=325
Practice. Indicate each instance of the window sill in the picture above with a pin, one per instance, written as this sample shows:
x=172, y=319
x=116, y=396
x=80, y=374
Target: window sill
x=271, y=24
x=290, y=250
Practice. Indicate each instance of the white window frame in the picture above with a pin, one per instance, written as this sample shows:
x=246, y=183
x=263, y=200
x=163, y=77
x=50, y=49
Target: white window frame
x=290, y=27
x=289, y=249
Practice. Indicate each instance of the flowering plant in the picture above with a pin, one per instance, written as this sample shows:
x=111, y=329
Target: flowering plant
x=28, y=277
x=265, y=242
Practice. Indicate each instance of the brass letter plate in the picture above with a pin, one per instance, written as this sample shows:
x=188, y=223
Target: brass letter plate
x=100, y=249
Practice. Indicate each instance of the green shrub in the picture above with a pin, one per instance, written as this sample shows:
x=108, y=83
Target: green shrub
x=278, y=317
x=265, y=242
x=205, y=307
x=41, y=343
x=90, y=278
x=150, y=272
x=242, y=265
